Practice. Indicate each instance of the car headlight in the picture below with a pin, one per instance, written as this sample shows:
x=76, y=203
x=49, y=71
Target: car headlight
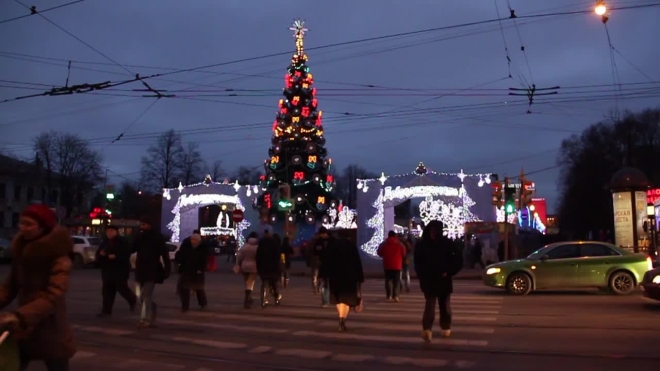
x=492, y=271
x=656, y=280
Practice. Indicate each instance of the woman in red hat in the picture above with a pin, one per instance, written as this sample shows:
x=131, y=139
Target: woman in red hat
x=38, y=280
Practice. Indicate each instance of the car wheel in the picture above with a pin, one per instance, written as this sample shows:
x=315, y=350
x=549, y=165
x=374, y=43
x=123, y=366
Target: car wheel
x=78, y=261
x=519, y=284
x=622, y=283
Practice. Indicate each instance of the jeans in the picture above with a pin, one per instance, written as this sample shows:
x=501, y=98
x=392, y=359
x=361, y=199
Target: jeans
x=405, y=278
x=392, y=283
x=429, y=311
x=146, y=293
x=51, y=364
x=325, y=291
x=109, y=291
x=184, y=294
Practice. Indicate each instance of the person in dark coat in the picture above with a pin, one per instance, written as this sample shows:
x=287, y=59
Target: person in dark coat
x=114, y=260
x=285, y=260
x=192, y=262
x=152, y=266
x=436, y=261
x=341, y=266
x=268, y=267
x=316, y=247
x=38, y=280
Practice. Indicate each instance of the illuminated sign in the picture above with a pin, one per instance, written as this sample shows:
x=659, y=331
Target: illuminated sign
x=652, y=195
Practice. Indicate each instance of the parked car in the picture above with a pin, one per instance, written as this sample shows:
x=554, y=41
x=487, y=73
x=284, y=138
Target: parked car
x=577, y=264
x=651, y=284
x=173, y=247
x=84, y=250
x=5, y=250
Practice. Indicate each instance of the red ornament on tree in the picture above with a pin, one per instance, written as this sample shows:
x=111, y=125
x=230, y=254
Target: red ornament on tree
x=315, y=102
x=304, y=112
x=298, y=175
x=329, y=179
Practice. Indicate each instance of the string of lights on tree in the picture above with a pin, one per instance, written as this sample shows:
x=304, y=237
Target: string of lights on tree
x=297, y=166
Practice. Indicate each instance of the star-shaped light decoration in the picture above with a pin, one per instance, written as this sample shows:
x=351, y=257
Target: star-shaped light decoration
x=461, y=175
x=180, y=187
x=237, y=186
x=298, y=27
x=382, y=178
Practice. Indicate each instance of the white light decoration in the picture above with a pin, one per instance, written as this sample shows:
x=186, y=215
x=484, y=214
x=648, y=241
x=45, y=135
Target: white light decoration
x=429, y=172
x=255, y=189
x=487, y=179
x=499, y=216
x=166, y=194
x=376, y=222
x=360, y=184
x=382, y=178
x=481, y=182
x=452, y=216
x=196, y=200
x=180, y=187
x=248, y=192
x=237, y=186
x=400, y=193
x=346, y=218
x=461, y=175
x=365, y=188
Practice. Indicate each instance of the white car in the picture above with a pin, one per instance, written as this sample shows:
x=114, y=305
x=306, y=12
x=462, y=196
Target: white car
x=84, y=250
x=172, y=247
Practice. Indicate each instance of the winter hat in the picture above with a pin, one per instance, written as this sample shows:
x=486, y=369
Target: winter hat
x=42, y=214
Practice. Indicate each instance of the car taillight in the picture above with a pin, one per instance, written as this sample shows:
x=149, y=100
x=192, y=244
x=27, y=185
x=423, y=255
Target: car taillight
x=649, y=262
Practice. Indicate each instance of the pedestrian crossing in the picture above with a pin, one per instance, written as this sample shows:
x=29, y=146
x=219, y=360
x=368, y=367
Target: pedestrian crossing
x=384, y=334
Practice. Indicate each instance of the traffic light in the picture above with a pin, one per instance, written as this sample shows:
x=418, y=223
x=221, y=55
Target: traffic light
x=509, y=197
x=497, y=194
x=284, y=202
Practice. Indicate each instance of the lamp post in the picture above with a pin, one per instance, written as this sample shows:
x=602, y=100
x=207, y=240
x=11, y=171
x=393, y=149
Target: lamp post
x=650, y=212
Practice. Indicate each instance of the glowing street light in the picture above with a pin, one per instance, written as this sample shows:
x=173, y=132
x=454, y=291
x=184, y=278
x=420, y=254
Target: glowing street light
x=600, y=8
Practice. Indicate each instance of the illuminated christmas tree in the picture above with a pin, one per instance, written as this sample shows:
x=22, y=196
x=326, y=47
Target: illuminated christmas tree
x=297, y=169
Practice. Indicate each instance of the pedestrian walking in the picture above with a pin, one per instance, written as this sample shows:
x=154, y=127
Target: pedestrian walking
x=285, y=261
x=231, y=249
x=268, y=267
x=246, y=263
x=341, y=266
x=436, y=261
x=192, y=262
x=405, y=267
x=38, y=279
x=477, y=253
x=152, y=266
x=393, y=252
x=114, y=259
x=318, y=244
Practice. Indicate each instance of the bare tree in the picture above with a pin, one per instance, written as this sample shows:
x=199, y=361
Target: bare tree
x=215, y=170
x=347, y=183
x=247, y=175
x=71, y=164
x=191, y=164
x=162, y=164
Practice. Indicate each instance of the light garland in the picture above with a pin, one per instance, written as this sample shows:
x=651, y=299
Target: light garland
x=499, y=216
x=452, y=216
x=376, y=222
x=400, y=193
x=484, y=177
x=217, y=231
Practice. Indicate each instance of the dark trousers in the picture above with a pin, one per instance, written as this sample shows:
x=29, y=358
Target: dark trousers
x=429, y=311
x=51, y=364
x=109, y=291
x=184, y=295
x=392, y=283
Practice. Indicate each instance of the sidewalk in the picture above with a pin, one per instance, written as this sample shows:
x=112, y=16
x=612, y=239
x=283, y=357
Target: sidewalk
x=371, y=270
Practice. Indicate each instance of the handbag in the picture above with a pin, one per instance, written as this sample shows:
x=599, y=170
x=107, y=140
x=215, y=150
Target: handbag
x=9, y=360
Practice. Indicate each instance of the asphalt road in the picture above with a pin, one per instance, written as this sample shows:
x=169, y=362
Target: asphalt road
x=584, y=331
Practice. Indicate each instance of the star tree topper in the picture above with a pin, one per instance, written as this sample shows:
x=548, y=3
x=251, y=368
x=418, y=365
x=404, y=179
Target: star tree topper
x=298, y=27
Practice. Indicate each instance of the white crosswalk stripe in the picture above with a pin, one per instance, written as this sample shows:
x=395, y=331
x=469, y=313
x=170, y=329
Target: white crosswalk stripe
x=300, y=320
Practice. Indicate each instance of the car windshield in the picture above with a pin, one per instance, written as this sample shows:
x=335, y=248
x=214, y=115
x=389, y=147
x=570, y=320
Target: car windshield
x=536, y=255
x=93, y=241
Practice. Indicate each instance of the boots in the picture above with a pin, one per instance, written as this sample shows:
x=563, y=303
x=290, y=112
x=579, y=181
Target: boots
x=247, y=302
x=277, y=296
x=342, y=325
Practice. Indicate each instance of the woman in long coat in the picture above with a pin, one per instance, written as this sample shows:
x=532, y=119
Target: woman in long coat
x=246, y=264
x=268, y=267
x=192, y=262
x=341, y=265
x=38, y=280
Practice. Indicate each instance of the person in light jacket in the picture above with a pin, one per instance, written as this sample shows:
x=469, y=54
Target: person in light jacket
x=247, y=264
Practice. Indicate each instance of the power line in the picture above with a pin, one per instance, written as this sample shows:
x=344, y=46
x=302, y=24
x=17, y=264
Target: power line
x=35, y=11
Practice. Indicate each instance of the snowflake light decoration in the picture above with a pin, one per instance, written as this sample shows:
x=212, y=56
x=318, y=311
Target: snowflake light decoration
x=452, y=216
x=298, y=28
x=376, y=222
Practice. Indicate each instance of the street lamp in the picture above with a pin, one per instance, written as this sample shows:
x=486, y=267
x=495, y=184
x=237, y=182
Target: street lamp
x=600, y=8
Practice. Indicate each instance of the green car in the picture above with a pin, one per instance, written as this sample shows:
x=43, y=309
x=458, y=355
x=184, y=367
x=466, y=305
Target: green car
x=574, y=264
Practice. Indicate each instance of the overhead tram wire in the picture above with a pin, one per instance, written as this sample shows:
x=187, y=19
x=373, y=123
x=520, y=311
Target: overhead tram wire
x=36, y=11
x=506, y=47
x=385, y=37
